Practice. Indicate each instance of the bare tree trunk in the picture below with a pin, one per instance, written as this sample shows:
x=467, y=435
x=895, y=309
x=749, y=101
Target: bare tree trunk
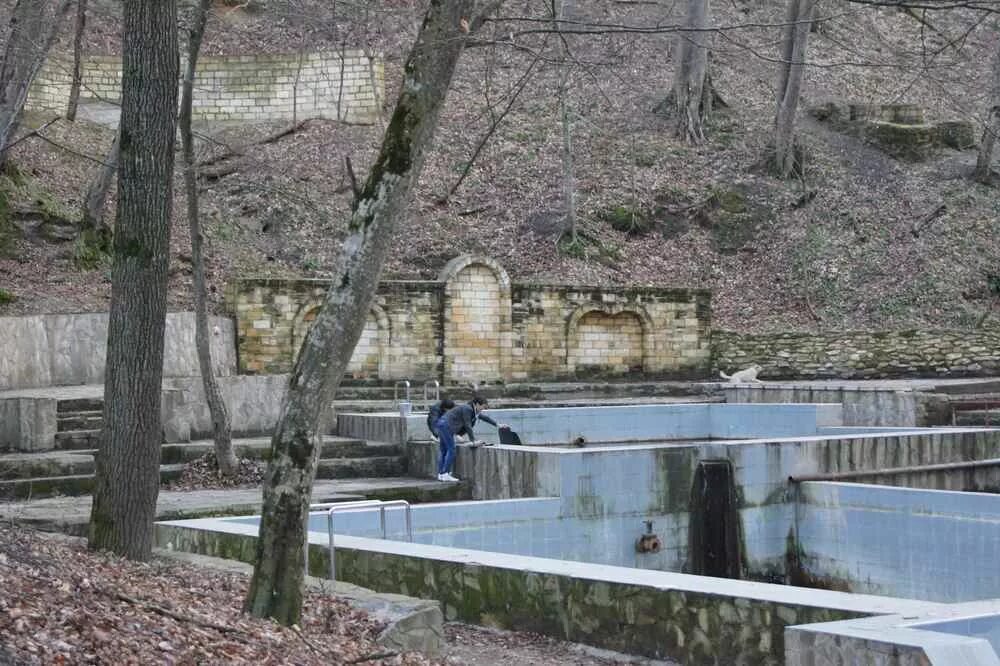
x=221, y=431
x=128, y=460
x=569, y=182
x=33, y=27
x=984, y=160
x=97, y=193
x=277, y=584
x=692, y=90
x=790, y=69
x=74, y=90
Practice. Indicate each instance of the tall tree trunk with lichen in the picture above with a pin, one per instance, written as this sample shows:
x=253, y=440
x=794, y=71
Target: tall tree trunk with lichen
x=692, y=90
x=790, y=69
x=77, y=82
x=33, y=28
x=277, y=585
x=128, y=460
x=221, y=430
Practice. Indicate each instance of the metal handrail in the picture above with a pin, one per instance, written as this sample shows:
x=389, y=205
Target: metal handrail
x=437, y=392
x=334, y=507
x=395, y=391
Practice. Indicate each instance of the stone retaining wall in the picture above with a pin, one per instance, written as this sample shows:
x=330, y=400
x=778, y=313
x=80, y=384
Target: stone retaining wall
x=860, y=354
x=37, y=351
x=240, y=88
x=656, y=614
x=474, y=325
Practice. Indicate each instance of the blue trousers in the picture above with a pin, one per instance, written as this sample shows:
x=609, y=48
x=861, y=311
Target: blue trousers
x=446, y=445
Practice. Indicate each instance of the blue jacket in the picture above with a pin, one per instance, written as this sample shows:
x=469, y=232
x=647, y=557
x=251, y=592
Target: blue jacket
x=462, y=419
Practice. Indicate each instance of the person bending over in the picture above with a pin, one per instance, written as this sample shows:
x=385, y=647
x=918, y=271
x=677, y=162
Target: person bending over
x=435, y=412
x=458, y=421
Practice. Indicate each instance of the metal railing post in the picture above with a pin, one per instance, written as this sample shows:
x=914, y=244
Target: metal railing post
x=334, y=507
x=437, y=392
x=395, y=391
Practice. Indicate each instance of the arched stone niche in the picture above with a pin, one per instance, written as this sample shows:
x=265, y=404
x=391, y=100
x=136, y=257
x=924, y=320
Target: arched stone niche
x=609, y=339
x=476, y=320
x=372, y=351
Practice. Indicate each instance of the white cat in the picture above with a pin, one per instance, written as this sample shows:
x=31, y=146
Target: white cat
x=748, y=376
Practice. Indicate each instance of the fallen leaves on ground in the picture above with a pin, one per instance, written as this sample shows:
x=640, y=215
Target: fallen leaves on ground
x=202, y=473
x=63, y=604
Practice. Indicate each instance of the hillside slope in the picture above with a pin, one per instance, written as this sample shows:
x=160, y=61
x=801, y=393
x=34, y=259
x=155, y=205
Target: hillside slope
x=833, y=250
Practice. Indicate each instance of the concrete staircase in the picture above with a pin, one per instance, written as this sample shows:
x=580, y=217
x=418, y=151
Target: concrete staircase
x=71, y=472
x=78, y=423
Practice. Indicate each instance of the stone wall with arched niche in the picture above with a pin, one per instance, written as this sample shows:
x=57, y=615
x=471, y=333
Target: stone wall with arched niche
x=476, y=318
x=473, y=324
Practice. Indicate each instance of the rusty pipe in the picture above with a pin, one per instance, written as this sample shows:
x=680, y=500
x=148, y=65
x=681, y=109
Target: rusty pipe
x=892, y=471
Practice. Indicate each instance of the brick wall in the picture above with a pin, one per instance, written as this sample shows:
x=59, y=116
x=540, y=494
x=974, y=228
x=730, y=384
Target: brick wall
x=240, y=88
x=861, y=354
x=473, y=324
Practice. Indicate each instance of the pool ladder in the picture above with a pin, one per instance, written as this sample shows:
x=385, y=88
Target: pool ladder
x=334, y=507
x=431, y=386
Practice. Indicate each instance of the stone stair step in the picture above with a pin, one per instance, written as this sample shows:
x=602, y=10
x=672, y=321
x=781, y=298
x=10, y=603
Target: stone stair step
x=355, y=468
x=80, y=405
x=259, y=448
x=70, y=484
x=89, y=420
x=76, y=440
x=40, y=465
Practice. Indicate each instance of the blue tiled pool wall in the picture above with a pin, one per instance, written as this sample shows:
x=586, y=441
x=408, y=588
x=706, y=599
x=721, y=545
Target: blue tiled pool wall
x=560, y=425
x=982, y=626
x=595, y=501
x=531, y=527
x=920, y=544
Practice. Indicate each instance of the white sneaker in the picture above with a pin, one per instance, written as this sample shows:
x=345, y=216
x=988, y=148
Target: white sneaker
x=442, y=477
x=449, y=477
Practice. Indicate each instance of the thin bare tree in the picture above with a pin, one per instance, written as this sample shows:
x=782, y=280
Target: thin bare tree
x=984, y=160
x=221, y=429
x=784, y=159
x=33, y=28
x=77, y=82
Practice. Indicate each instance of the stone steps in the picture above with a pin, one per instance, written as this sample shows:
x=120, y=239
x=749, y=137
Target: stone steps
x=260, y=449
x=83, y=420
x=78, y=440
x=358, y=468
x=68, y=405
x=71, y=484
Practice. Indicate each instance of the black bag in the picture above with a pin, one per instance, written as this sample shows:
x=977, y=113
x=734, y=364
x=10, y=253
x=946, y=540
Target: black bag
x=509, y=438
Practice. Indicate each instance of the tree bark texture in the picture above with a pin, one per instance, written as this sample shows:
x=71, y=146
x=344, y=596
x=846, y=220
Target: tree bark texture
x=692, y=91
x=97, y=192
x=984, y=159
x=74, y=90
x=33, y=28
x=277, y=584
x=790, y=70
x=128, y=460
x=221, y=430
